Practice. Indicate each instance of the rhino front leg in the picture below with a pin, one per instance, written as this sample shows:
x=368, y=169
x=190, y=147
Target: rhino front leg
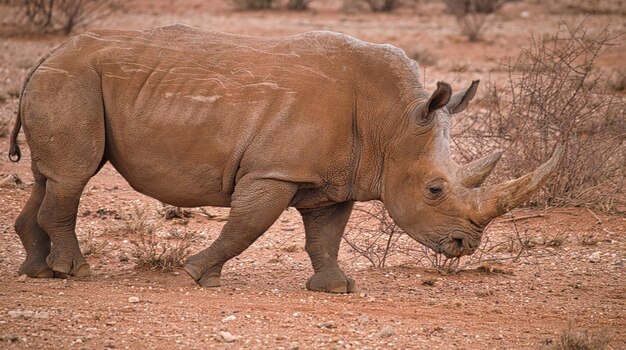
x=324, y=229
x=255, y=206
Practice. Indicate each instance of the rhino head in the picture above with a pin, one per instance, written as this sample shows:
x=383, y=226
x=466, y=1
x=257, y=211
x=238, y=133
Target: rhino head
x=437, y=202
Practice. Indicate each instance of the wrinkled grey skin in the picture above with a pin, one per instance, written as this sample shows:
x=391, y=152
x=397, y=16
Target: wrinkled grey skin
x=314, y=121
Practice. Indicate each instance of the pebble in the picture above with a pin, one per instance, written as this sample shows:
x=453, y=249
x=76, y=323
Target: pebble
x=229, y=318
x=327, y=325
x=133, y=300
x=364, y=319
x=594, y=257
x=21, y=314
x=22, y=278
x=42, y=315
x=386, y=332
x=225, y=337
x=10, y=338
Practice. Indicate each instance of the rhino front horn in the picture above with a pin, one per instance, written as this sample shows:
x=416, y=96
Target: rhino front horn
x=496, y=200
x=474, y=174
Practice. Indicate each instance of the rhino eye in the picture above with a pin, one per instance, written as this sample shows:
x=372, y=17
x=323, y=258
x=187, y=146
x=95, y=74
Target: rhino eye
x=434, y=190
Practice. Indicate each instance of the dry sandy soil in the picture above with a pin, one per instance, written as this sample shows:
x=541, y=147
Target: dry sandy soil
x=572, y=267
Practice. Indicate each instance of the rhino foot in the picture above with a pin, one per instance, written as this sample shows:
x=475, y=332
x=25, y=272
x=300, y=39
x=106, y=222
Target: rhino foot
x=68, y=266
x=204, y=277
x=334, y=281
x=35, y=268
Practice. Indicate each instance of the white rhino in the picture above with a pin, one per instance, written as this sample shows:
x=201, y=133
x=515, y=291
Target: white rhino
x=191, y=117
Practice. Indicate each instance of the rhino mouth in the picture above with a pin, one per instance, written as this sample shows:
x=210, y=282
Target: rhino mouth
x=457, y=245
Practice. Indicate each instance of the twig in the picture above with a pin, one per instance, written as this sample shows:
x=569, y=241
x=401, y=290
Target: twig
x=523, y=217
x=599, y=221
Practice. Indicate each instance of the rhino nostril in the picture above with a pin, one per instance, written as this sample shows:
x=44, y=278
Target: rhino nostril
x=459, y=242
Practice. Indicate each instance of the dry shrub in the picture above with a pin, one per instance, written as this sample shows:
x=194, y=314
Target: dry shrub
x=46, y=16
x=376, y=5
x=298, y=5
x=373, y=235
x=255, y=4
x=422, y=55
x=473, y=15
x=588, y=7
x=154, y=249
x=383, y=5
x=572, y=339
x=555, y=95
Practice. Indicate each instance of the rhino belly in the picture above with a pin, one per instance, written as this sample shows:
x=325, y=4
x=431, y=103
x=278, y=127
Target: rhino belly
x=168, y=160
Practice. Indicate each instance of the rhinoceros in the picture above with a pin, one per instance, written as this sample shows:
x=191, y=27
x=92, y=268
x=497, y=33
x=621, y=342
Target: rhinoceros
x=315, y=121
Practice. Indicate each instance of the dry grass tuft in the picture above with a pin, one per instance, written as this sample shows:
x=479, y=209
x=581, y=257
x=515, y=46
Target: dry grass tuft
x=572, y=339
x=493, y=268
x=154, y=250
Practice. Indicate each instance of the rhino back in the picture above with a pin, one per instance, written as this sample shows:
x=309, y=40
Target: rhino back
x=188, y=112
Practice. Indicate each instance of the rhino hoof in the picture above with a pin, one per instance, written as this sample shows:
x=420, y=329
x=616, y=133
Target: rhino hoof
x=209, y=281
x=192, y=271
x=35, y=270
x=70, y=268
x=82, y=271
x=321, y=283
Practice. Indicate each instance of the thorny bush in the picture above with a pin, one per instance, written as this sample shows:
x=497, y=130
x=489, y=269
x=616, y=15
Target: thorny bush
x=555, y=94
x=46, y=16
x=473, y=15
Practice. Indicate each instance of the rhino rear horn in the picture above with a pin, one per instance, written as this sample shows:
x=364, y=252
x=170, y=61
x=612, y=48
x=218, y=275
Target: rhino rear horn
x=475, y=173
x=459, y=101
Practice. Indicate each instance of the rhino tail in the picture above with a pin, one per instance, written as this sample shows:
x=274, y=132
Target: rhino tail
x=14, y=150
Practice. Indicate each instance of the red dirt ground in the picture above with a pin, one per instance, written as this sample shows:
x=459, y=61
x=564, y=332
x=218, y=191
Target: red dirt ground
x=572, y=269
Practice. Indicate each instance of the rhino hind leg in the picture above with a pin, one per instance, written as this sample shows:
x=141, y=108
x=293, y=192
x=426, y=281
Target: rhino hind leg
x=255, y=206
x=63, y=116
x=324, y=229
x=35, y=240
x=57, y=216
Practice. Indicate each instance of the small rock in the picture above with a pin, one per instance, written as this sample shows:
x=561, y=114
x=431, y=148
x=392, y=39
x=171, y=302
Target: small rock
x=20, y=314
x=42, y=315
x=22, y=278
x=364, y=319
x=594, y=257
x=229, y=318
x=225, y=337
x=294, y=346
x=133, y=300
x=386, y=332
x=327, y=325
x=9, y=338
x=11, y=181
x=525, y=14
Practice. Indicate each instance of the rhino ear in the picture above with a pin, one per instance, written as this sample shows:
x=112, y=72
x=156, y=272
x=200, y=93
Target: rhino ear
x=437, y=100
x=440, y=97
x=460, y=100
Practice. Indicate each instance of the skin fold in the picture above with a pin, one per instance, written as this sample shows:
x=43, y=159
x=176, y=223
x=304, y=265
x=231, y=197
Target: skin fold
x=191, y=117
